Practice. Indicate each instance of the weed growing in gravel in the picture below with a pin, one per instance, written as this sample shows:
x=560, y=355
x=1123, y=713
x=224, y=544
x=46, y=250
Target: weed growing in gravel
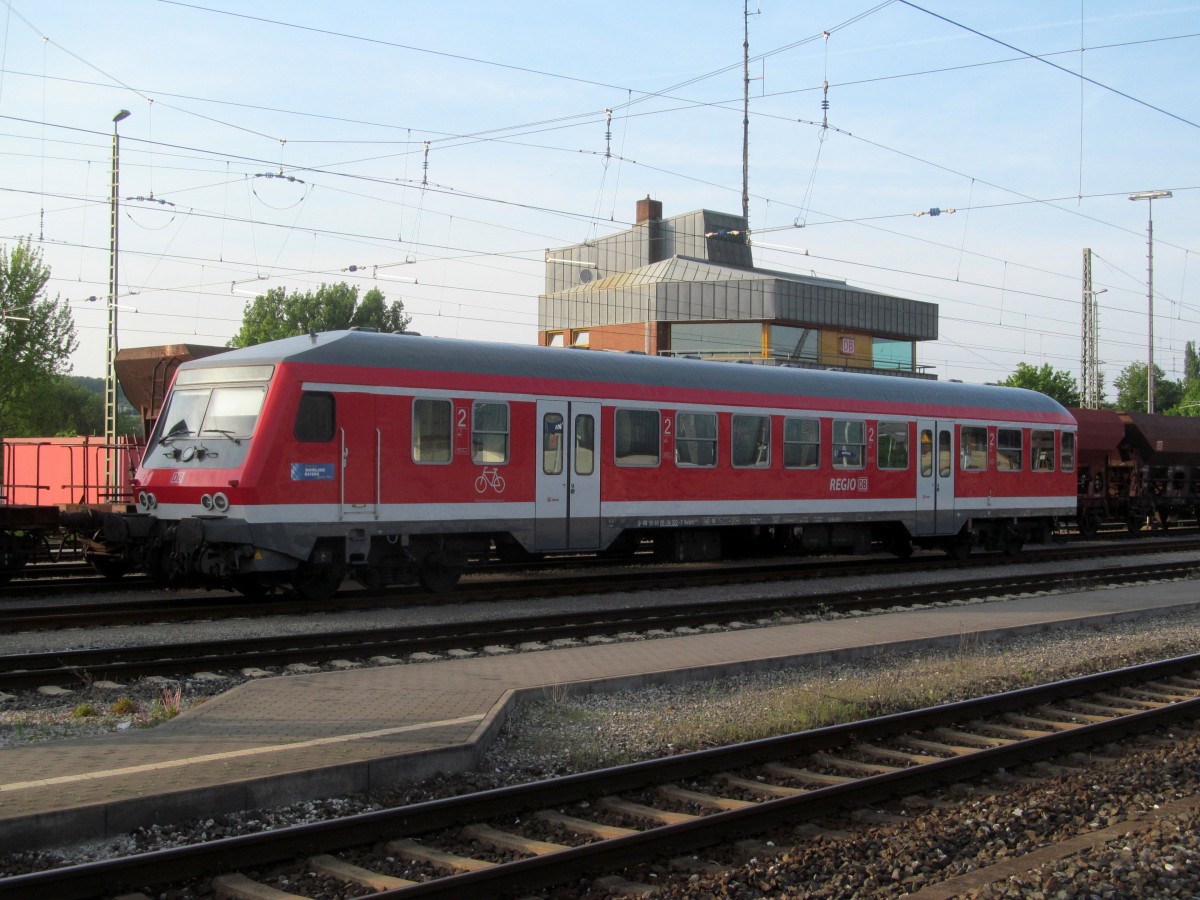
x=84, y=711
x=123, y=706
x=167, y=706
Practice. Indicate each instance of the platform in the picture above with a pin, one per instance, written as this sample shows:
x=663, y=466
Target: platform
x=286, y=739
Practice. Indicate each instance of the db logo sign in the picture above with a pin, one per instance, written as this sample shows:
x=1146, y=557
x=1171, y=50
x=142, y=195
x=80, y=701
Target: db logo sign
x=848, y=344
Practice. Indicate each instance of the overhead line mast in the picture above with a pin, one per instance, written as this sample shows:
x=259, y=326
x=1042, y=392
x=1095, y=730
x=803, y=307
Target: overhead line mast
x=746, y=111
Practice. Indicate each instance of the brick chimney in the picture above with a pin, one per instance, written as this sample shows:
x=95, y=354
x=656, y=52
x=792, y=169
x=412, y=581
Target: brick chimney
x=649, y=210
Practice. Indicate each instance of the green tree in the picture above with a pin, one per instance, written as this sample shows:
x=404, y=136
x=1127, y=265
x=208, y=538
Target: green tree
x=1131, y=389
x=332, y=307
x=37, y=338
x=1053, y=383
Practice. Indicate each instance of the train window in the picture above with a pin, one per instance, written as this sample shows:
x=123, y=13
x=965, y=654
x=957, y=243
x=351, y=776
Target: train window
x=431, y=431
x=849, y=444
x=801, y=443
x=926, y=454
x=892, y=451
x=1041, y=450
x=695, y=439
x=972, y=446
x=751, y=441
x=489, y=433
x=1008, y=449
x=233, y=411
x=184, y=412
x=945, y=454
x=1067, y=454
x=637, y=439
x=315, y=417
x=585, y=445
x=552, y=448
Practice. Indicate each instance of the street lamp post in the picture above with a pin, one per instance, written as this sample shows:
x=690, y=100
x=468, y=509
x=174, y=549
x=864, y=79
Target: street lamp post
x=110, y=364
x=1150, y=197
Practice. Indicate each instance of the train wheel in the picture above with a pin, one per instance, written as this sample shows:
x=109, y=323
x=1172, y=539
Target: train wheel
x=317, y=583
x=1088, y=524
x=251, y=586
x=1135, y=523
x=110, y=567
x=1012, y=543
x=959, y=546
x=900, y=547
x=437, y=577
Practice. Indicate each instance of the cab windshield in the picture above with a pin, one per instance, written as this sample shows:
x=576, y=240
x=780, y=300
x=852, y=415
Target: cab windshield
x=212, y=411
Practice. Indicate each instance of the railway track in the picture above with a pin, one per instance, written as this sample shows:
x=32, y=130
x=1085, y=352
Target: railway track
x=29, y=670
x=47, y=580
x=532, y=836
x=188, y=605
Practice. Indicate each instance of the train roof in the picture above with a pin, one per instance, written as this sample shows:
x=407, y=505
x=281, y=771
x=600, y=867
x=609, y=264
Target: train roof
x=554, y=364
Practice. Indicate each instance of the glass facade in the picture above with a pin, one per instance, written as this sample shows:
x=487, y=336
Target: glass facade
x=717, y=339
x=890, y=354
x=783, y=344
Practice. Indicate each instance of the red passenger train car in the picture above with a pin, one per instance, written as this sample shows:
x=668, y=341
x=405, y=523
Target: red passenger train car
x=395, y=457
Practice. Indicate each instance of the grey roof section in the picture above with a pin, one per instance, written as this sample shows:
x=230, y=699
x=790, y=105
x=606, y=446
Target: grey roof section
x=699, y=267
x=589, y=368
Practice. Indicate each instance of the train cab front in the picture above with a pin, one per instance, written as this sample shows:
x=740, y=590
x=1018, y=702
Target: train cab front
x=191, y=524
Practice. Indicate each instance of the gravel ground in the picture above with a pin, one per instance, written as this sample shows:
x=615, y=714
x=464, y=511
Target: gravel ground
x=564, y=734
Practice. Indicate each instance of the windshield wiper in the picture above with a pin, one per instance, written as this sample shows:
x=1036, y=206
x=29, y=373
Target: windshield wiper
x=228, y=434
x=175, y=432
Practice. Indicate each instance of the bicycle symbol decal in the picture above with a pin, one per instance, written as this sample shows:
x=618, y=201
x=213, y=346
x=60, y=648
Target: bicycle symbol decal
x=491, y=478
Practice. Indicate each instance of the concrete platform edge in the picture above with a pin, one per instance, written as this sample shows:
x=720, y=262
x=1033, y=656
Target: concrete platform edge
x=372, y=777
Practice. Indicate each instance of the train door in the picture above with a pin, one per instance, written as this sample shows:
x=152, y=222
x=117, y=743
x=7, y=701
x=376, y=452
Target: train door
x=568, y=476
x=359, y=467
x=935, y=477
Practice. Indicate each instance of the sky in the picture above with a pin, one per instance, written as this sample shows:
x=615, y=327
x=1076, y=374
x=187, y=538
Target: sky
x=290, y=144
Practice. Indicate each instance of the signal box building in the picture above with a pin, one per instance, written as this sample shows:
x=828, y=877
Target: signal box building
x=687, y=286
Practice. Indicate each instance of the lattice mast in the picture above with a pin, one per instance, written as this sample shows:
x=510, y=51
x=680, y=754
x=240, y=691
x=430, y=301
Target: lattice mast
x=1089, y=361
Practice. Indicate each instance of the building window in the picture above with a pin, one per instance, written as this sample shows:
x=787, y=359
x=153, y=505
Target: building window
x=315, y=417
x=849, y=444
x=581, y=339
x=801, y=443
x=1041, y=449
x=717, y=339
x=792, y=344
x=695, y=439
x=555, y=339
x=890, y=354
x=1008, y=450
x=972, y=445
x=637, y=440
x=489, y=433
x=431, y=434
x=892, y=450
